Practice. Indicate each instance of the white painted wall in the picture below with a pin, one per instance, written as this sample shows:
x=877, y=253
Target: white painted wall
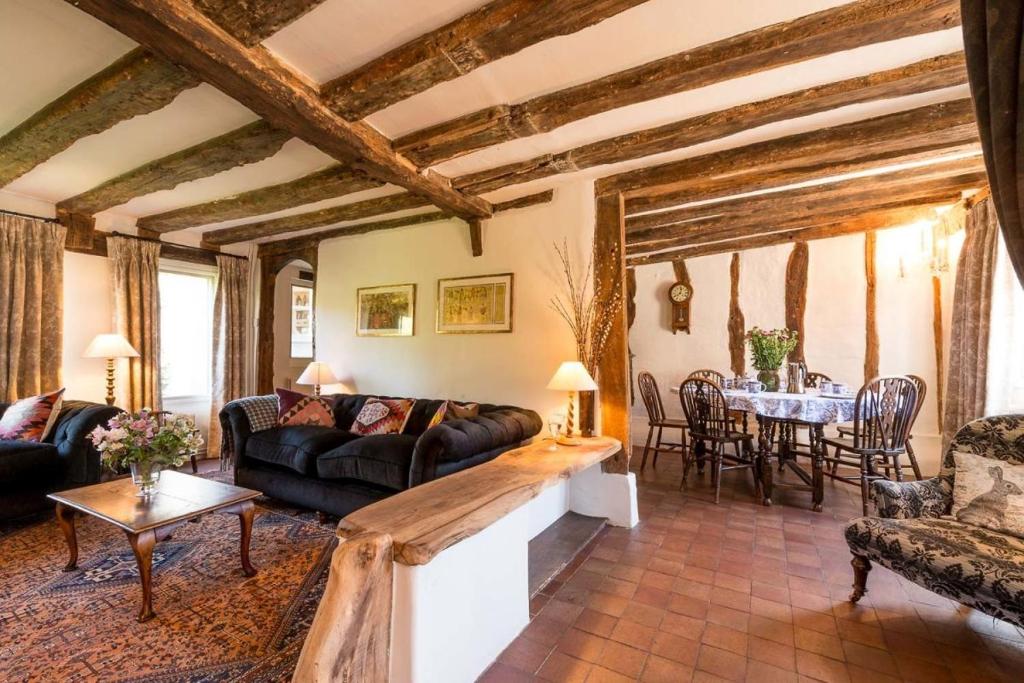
x=834, y=318
x=508, y=368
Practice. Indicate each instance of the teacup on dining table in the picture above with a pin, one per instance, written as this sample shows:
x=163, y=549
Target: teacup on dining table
x=755, y=387
x=825, y=387
x=840, y=389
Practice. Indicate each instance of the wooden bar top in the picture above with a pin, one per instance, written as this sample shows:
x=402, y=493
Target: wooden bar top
x=426, y=519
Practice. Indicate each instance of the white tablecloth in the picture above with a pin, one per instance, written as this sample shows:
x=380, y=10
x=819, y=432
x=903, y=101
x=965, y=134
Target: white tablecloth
x=807, y=407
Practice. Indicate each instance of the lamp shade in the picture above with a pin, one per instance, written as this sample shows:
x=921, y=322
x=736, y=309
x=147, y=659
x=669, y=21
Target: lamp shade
x=572, y=376
x=110, y=346
x=317, y=373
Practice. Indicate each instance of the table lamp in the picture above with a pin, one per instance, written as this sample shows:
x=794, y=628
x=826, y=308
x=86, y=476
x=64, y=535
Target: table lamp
x=571, y=376
x=110, y=346
x=317, y=373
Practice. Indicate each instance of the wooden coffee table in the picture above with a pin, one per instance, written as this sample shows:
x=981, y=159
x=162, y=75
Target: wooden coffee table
x=177, y=499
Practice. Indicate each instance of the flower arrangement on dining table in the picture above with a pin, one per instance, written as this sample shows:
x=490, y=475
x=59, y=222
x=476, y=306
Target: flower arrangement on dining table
x=768, y=350
x=146, y=442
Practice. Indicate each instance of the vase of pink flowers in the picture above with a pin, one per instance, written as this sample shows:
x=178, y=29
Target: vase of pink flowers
x=768, y=348
x=146, y=442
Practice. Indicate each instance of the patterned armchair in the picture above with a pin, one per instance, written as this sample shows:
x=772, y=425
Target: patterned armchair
x=913, y=535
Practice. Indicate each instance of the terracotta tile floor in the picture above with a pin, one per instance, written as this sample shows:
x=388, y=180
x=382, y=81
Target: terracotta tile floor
x=740, y=592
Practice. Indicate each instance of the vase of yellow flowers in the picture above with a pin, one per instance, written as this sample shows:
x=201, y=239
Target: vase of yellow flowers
x=768, y=349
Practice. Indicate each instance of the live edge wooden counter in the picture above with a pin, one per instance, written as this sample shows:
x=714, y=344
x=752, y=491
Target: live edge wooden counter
x=350, y=638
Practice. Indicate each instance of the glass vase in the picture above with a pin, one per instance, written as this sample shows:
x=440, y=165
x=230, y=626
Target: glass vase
x=145, y=475
x=770, y=379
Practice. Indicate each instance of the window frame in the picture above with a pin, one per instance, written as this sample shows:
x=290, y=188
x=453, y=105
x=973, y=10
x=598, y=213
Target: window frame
x=311, y=286
x=194, y=270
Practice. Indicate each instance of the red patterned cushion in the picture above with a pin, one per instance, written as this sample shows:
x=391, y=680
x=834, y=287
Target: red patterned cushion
x=30, y=419
x=299, y=409
x=439, y=415
x=382, y=416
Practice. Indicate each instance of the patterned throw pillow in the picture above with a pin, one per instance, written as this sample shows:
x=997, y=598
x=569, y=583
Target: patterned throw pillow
x=439, y=414
x=382, y=416
x=32, y=418
x=989, y=493
x=462, y=411
x=299, y=409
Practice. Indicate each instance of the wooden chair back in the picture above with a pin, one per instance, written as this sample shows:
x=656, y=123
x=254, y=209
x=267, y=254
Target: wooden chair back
x=704, y=407
x=813, y=380
x=922, y=391
x=884, y=412
x=708, y=374
x=651, y=397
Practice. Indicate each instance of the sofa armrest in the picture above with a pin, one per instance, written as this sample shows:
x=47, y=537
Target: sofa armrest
x=910, y=499
x=458, y=440
x=70, y=435
x=235, y=431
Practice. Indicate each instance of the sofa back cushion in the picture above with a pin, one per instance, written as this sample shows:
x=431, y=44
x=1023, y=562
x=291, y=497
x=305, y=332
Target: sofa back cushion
x=998, y=436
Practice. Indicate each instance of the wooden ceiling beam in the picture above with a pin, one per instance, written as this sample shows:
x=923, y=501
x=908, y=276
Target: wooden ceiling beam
x=315, y=219
x=924, y=76
x=179, y=32
x=248, y=144
x=934, y=127
x=253, y=21
x=136, y=84
x=892, y=182
x=335, y=181
x=498, y=29
x=852, y=225
x=713, y=230
x=833, y=30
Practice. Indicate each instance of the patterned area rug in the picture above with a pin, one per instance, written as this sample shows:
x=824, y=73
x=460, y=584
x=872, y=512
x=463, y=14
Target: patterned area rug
x=212, y=624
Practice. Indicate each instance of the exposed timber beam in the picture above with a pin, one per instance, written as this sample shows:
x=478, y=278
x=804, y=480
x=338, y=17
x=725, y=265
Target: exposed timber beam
x=178, y=31
x=522, y=202
x=924, y=76
x=814, y=198
x=853, y=225
x=871, y=355
x=315, y=219
x=245, y=145
x=833, y=30
x=498, y=29
x=252, y=21
x=476, y=237
x=938, y=127
x=737, y=325
x=136, y=84
x=336, y=181
x=703, y=232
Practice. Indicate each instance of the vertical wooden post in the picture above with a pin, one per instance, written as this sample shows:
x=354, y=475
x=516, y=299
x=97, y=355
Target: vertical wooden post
x=796, y=296
x=870, y=316
x=737, y=324
x=613, y=368
x=940, y=370
x=630, y=318
x=476, y=238
x=270, y=266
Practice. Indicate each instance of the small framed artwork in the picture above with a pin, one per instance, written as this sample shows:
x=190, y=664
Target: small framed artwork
x=472, y=305
x=387, y=311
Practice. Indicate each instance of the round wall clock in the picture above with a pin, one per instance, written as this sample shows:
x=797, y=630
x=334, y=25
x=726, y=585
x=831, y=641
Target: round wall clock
x=679, y=292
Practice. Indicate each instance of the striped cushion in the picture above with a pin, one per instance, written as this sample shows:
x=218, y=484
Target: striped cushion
x=30, y=419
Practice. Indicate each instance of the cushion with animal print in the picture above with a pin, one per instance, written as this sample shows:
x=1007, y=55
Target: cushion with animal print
x=989, y=493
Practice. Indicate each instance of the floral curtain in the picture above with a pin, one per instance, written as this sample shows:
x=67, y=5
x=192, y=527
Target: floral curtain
x=969, y=330
x=136, y=269
x=31, y=306
x=229, y=340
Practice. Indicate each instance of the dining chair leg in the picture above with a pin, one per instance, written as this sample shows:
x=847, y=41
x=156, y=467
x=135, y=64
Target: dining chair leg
x=716, y=466
x=865, y=469
x=896, y=465
x=688, y=456
x=913, y=460
x=657, y=448
x=647, y=447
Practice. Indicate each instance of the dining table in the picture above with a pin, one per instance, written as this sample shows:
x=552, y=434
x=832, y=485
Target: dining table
x=779, y=415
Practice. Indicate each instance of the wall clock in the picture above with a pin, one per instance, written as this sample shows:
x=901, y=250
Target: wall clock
x=679, y=295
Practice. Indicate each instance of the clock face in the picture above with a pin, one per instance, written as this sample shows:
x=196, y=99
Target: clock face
x=679, y=293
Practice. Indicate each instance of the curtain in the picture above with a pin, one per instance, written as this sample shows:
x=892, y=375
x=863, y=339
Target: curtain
x=993, y=32
x=229, y=340
x=136, y=268
x=969, y=330
x=31, y=306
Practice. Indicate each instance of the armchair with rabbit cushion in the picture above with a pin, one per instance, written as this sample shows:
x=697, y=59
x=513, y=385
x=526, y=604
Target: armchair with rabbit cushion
x=914, y=533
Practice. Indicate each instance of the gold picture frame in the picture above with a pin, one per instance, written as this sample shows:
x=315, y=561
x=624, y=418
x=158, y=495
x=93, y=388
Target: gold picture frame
x=478, y=304
x=386, y=311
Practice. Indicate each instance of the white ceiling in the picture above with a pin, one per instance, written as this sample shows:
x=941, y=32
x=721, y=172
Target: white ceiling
x=48, y=46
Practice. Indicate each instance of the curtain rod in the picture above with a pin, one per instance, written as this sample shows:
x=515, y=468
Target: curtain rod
x=28, y=215
x=177, y=246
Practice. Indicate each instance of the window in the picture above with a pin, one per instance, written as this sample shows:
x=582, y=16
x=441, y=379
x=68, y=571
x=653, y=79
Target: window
x=302, y=321
x=186, y=330
x=1005, y=387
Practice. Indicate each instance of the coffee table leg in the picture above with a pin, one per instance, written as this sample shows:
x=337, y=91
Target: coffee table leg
x=246, y=513
x=66, y=521
x=142, y=545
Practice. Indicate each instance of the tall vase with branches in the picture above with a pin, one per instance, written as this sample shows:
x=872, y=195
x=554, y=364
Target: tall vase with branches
x=590, y=312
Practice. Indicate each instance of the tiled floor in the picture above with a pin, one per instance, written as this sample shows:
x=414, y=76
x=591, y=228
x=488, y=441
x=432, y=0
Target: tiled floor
x=742, y=592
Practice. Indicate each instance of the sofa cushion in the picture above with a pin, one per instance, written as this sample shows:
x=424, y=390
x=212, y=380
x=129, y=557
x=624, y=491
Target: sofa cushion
x=24, y=461
x=295, y=447
x=989, y=493
x=970, y=564
x=295, y=409
x=31, y=418
x=382, y=459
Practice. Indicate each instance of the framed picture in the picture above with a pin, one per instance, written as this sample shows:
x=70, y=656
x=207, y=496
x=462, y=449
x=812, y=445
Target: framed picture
x=468, y=305
x=387, y=311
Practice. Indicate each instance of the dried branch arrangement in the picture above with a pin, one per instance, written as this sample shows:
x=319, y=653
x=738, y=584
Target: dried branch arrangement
x=589, y=313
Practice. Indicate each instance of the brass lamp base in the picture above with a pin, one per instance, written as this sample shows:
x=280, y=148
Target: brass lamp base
x=564, y=440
